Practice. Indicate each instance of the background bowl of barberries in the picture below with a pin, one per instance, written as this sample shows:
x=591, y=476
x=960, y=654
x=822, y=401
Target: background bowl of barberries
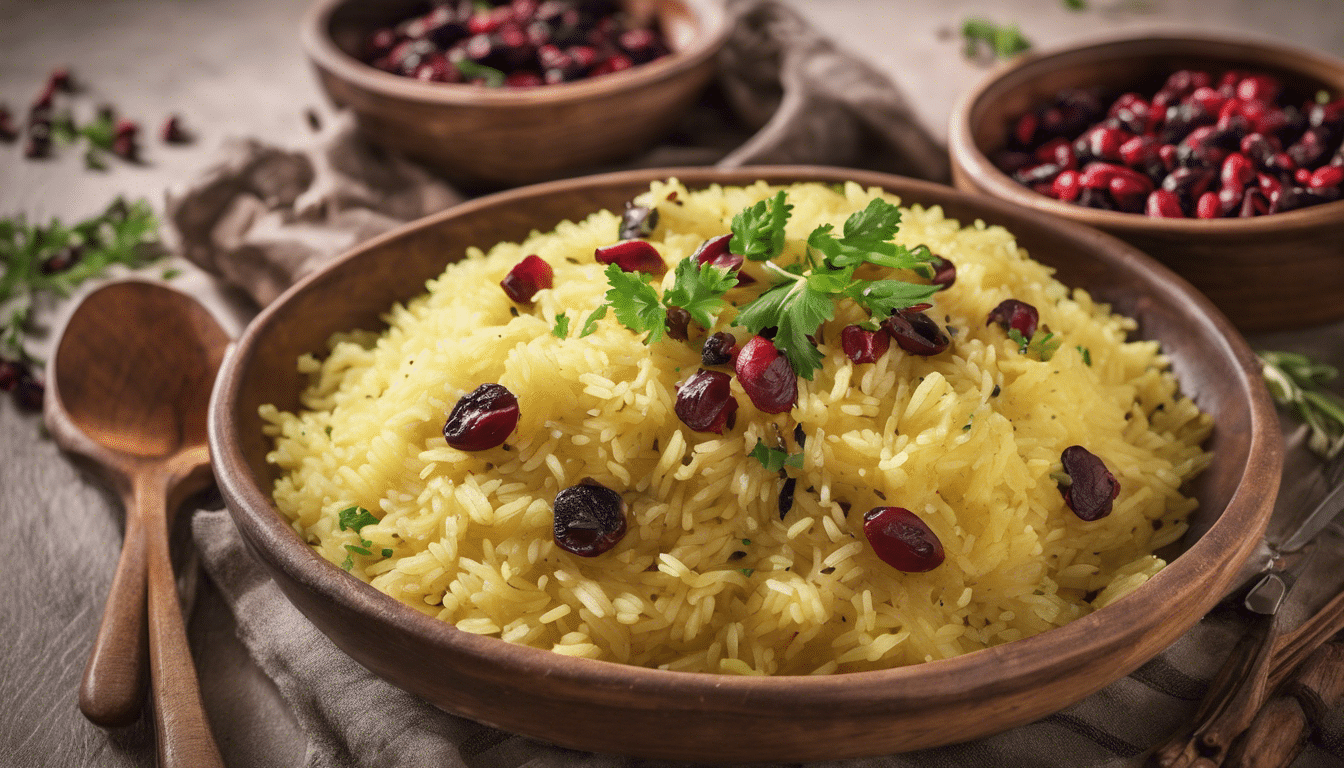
x=1220, y=157
x=507, y=92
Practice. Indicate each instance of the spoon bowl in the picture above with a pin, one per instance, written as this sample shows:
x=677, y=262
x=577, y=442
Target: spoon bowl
x=128, y=390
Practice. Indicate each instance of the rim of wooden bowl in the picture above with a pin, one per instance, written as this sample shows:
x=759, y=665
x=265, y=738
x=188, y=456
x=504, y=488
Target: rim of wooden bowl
x=712, y=31
x=1164, y=607
x=1250, y=52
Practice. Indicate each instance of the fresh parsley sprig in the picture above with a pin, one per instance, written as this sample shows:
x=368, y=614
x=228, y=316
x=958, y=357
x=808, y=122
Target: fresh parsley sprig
x=804, y=293
x=1298, y=382
x=758, y=230
x=804, y=296
x=774, y=459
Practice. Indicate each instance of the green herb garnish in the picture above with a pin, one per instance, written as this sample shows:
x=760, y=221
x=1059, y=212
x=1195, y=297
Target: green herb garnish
x=758, y=231
x=590, y=325
x=804, y=294
x=561, y=329
x=1298, y=382
x=1086, y=353
x=774, y=460
x=1002, y=41
x=699, y=289
x=636, y=303
x=1042, y=345
x=471, y=70
x=1076, y=5
x=355, y=518
x=31, y=256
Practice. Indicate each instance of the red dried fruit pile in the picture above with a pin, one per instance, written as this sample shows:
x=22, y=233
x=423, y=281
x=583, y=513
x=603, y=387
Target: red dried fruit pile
x=513, y=43
x=1205, y=145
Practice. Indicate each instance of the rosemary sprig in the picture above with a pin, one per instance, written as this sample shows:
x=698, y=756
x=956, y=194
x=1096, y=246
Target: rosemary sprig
x=1298, y=383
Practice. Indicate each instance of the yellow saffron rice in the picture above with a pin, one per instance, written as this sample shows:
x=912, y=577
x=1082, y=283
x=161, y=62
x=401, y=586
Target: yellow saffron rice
x=708, y=576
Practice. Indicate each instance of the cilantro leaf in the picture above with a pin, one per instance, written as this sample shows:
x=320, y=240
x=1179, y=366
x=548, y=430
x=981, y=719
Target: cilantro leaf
x=561, y=329
x=1042, y=345
x=357, y=550
x=348, y=562
x=590, y=325
x=774, y=459
x=355, y=518
x=699, y=289
x=758, y=231
x=636, y=303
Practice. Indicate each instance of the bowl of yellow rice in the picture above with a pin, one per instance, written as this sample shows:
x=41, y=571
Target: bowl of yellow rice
x=534, y=460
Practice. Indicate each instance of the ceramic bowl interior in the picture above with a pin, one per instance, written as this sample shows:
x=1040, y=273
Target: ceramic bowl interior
x=497, y=137
x=613, y=708
x=1274, y=272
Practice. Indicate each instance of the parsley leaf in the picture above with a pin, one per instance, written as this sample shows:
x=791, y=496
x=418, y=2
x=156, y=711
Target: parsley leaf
x=882, y=297
x=1042, y=345
x=795, y=309
x=699, y=289
x=348, y=562
x=590, y=325
x=774, y=459
x=355, y=518
x=561, y=329
x=636, y=303
x=758, y=231
x=1003, y=41
x=865, y=239
x=358, y=550
x=1086, y=353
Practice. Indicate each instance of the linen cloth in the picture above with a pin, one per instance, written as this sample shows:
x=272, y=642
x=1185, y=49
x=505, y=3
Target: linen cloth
x=269, y=215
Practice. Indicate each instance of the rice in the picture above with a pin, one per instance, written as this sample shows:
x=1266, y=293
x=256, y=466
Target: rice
x=708, y=576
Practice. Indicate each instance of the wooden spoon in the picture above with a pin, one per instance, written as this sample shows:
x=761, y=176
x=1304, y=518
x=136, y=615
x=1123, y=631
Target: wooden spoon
x=128, y=389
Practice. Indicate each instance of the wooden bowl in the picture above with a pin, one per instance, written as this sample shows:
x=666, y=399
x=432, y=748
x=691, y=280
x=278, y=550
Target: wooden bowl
x=608, y=707
x=1274, y=272
x=490, y=138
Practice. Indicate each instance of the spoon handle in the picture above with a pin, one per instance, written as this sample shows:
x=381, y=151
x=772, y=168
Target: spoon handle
x=113, y=689
x=183, y=733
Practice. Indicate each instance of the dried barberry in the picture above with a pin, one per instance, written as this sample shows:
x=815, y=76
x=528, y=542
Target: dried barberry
x=705, y=401
x=1091, y=487
x=482, y=419
x=766, y=376
x=632, y=256
x=903, y=541
x=719, y=349
x=589, y=519
x=916, y=332
x=1014, y=315
x=528, y=276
